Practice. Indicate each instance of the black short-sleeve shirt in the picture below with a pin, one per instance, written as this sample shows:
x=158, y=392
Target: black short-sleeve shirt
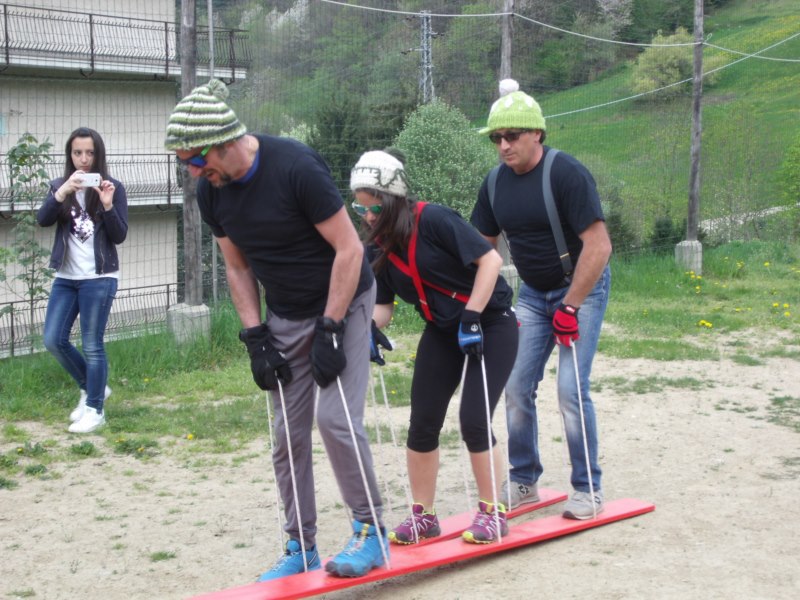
x=446, y=248
x=271, y=218
x=519, y=210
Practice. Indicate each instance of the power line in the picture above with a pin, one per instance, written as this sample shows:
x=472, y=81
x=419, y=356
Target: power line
x=559, y=29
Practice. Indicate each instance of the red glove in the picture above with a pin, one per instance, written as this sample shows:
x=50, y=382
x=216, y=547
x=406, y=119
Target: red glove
x=565, y=324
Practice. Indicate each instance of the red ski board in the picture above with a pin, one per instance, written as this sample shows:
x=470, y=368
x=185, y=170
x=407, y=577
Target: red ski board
x=453, y=526
x=428, y=556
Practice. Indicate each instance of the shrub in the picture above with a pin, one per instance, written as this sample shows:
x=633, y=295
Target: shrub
x=622, y=237
x=446, y=159
x=666, y=234
x=662, y=65
x=789, y=181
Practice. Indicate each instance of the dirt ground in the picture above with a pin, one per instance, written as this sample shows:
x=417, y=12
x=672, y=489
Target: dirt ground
x=695, y=438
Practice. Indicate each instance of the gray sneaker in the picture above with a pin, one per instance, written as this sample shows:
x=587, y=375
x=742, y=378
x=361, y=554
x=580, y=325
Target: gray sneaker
x=521, y=493
x=580, y=505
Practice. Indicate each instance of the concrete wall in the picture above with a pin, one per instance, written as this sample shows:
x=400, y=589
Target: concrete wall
x=159, y=10
x=149, y=257
x=131, y=116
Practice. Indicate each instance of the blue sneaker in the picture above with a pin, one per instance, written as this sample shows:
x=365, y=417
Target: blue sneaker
x=291, y=562
x=362, y=553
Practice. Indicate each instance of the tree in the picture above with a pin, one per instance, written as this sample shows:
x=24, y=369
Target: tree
x=29, y=184
x=338, y=135
x=660, y=66
x=663, y=65
x=789, y=181
x=446, y=159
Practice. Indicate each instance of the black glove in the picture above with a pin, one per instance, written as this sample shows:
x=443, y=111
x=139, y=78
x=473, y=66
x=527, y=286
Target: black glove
x=377, y=341
x=267, y=364
x=327, y=351
x=470, y=334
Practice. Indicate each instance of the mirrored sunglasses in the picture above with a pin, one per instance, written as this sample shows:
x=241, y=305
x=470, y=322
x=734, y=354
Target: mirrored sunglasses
x=198, y=160
x=362, y=210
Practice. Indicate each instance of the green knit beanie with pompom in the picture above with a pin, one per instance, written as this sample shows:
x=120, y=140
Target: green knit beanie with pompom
x=514, y=110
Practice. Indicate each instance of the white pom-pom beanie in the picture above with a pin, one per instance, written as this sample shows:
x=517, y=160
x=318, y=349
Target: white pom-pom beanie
x=514, y=110
x=379, y=170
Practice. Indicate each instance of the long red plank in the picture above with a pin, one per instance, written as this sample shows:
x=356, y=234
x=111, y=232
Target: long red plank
x=454, y=525
x=431, y=555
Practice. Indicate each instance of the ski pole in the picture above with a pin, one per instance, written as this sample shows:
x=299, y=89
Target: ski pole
x=493, y=477
x=464, y=477
x=294, y=477
x=271, y=432
x=583, y=429
x=361, y=468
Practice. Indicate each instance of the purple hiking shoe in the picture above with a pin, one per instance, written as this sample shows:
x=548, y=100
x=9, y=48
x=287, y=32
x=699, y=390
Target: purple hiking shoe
x=484, y=528
x=419, y=526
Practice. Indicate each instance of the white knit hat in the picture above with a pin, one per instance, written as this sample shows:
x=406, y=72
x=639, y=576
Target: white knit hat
x=379, y=170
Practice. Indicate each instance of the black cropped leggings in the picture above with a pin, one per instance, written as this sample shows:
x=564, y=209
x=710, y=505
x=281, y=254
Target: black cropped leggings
x=437, y=374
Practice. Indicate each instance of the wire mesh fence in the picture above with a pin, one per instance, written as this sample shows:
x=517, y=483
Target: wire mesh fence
x=135, y=311
x=345, y=76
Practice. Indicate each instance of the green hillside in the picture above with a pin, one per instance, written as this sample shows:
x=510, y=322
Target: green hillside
x=639, y=149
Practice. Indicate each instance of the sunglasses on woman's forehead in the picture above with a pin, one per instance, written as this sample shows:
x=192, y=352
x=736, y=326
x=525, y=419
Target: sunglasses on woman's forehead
x=362, y=210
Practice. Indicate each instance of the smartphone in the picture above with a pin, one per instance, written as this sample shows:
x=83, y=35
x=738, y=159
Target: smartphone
x=90, y=179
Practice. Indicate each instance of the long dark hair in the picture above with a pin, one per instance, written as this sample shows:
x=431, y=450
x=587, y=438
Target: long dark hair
x=92, y=198
x=393, y=227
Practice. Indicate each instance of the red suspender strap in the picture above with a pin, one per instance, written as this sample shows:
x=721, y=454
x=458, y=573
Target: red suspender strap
x=410, y=270
x=412, y=263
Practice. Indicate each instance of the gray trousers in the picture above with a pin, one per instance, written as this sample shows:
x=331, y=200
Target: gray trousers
x=294, y=339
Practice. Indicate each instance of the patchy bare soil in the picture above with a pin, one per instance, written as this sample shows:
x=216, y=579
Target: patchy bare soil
x=701, y=440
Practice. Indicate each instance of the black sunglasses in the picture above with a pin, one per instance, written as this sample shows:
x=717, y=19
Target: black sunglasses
x=509, y=136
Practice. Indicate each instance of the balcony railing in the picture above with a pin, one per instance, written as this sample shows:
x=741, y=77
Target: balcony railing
x=91, y=42
x=149, y=179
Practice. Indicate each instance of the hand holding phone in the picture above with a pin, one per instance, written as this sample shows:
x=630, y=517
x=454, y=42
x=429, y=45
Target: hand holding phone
x=90, y=179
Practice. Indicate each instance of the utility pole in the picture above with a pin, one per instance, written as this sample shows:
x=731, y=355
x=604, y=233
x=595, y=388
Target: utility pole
x=690, y=252
x=192, y=245
x=505, y=42
x=191, y=318
x=426, y=70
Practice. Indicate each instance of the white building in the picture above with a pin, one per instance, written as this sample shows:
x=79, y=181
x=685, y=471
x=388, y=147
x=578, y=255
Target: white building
x=112, y=66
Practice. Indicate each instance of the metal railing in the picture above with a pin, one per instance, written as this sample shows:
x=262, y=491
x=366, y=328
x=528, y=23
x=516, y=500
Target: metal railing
x=48, y=37
x=135, y=311
x=148, y=178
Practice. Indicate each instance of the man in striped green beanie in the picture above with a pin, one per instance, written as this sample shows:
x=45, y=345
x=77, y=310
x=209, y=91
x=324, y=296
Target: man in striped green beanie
x=202, y=119
x=282, y=227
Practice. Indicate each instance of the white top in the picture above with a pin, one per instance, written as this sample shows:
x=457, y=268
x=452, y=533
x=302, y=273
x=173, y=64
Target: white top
x=79, y=262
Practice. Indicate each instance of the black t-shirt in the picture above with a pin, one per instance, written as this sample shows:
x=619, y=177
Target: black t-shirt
x=271, y=217
x=446, y=247
x=519, y=210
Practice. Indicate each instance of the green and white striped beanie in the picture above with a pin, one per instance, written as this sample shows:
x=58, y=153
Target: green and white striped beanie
x=203, y=119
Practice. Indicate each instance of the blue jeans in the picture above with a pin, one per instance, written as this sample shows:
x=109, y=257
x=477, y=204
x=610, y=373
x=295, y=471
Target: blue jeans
x=91, y=298
x=535, y=312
